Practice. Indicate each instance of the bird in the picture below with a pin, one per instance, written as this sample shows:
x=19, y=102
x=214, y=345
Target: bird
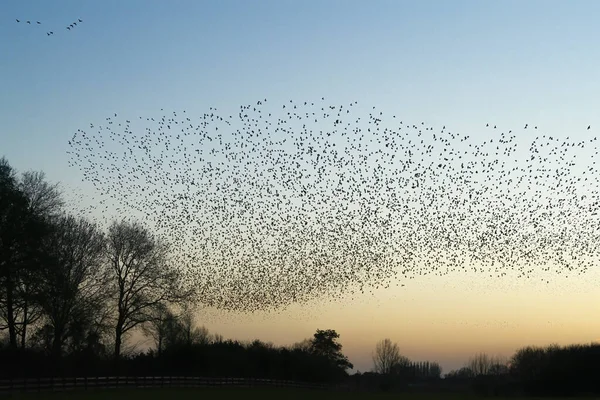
x=266, y=206
x=18, y=20
x=38, y=22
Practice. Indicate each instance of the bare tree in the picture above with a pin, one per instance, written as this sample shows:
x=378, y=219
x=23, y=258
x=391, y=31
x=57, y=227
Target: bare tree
x=202, y=335
x=142, y=274
x=171, y=330
x=75, y=282
x=21, y=234
x=190, y=333
x=45, y=199
x=157, y=326
x=483, y=364
x=217, y=338
x=386, y=356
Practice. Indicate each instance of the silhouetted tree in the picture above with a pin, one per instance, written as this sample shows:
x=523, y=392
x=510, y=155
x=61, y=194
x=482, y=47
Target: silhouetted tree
x=45, y=199
x=190, y=334
x=74, y=283
x=21, y=236
x=461, y=373
x=386, y=356
x=483, y=364
x=171, y=331
x=304, y=345
x=45, y=202
x=325, y=344
x=160, y=319
x=142, y=275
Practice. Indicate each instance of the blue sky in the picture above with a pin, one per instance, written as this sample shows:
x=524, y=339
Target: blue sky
x=455, y=63
x=459, y=63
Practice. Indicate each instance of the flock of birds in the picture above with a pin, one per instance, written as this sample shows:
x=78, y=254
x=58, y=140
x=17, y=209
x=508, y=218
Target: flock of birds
x=273, y=206
x=72, y=25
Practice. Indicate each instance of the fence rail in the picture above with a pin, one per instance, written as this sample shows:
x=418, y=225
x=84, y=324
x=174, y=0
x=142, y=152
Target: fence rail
x=140, y=382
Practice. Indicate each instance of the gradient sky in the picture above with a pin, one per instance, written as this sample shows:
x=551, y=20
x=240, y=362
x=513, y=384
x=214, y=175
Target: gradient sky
x=457, y=63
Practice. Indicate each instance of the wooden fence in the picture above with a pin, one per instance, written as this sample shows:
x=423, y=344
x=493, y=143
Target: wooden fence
x=8, y=386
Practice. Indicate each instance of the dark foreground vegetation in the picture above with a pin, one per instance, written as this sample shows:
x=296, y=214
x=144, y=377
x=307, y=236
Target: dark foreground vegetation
x=72, y=294
x=254, y=393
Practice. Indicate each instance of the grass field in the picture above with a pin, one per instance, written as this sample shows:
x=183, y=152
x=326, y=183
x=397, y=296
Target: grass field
x=225, y=394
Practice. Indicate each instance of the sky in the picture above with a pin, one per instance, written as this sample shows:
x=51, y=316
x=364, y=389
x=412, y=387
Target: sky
x=461, y=64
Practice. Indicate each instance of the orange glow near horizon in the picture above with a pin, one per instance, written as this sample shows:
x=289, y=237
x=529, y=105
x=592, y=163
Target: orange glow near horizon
x=444, y=319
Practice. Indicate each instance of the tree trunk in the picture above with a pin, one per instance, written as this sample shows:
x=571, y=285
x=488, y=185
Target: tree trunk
x=118, y=338
x=24, y=330
x=57, y=342
x=10, y=314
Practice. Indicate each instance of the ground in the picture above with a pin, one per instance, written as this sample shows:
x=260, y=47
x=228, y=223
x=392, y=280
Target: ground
x=226, y=394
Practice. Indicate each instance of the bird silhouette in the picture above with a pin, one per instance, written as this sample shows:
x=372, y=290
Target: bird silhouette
x=267, y=205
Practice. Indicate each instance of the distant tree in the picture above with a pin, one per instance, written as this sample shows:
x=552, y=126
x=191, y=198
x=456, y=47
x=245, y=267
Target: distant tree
x=499, y=369
x=142, y=275
x=304, y=345
x=403, y=367
x=216, y=338
x=386, y=357
x=325, y=344
x=435, y=371
x=203, y=336
x=160, y=320
x=527, y=362
x=191, y=333
x=180, y=330
x=483, y=364
x=423, y=370
x=462, y=373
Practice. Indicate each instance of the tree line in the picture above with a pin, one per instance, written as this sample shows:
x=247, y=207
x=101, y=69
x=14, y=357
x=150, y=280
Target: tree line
x=71, y=295
x=533, y=371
